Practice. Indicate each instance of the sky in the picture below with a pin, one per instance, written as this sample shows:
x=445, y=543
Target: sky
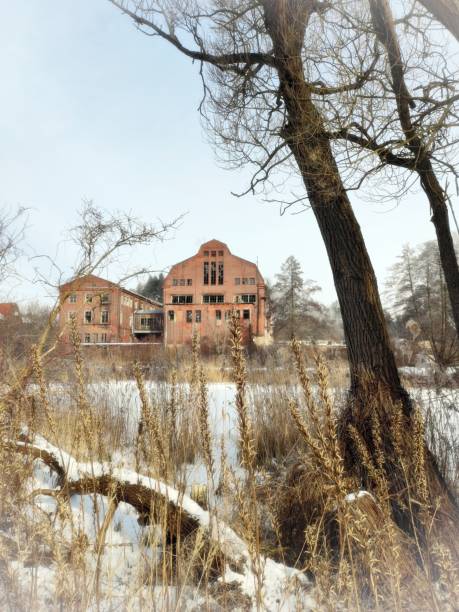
x=91, y=108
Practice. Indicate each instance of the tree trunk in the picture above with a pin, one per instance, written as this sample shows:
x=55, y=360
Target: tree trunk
x=383, y=23
x=371, y=359
x=440, y=219
x=375, y=382
x=446, y=12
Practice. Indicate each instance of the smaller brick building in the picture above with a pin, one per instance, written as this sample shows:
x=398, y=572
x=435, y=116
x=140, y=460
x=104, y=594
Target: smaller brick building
x=9, y=311
x=200, y=293
x=108, y=313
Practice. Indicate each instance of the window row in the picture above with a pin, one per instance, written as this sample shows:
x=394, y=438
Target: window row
x=213, y=253
x=94, y=338
x=181, y=282
x=215, y=298
x=89, y=297
x=244, y=281
x=89, y=316
x=218, y=315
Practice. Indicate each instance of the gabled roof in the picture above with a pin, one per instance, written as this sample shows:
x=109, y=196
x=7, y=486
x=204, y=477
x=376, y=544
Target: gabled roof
x=88, y=277
x=8, y=309
x=214, y=244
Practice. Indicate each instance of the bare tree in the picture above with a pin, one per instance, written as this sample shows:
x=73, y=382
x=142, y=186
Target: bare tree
x=446, y=12
x=100, y=237
x=420, y=142
x=260, y=88
x=271, y=93
x=12, y=226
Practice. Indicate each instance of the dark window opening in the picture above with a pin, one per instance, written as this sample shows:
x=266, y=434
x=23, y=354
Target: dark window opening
x=197, y=317
x=104, y=316
x=218, y=315
x=206, y=273
x=88, y=316
x=189, y=281
x=206, y=253
x=220, y=253
x=246, y=314
x=171, y=315
x=213, y=253
x=220, y=273
x=189, y=316
x=182, y=299
x=246, y=298
x=213, y=272
x=213, y=299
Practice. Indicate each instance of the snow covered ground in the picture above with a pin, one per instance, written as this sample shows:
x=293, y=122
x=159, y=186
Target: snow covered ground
x=131, y=550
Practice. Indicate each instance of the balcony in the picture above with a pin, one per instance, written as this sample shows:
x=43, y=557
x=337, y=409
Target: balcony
x=147, y=322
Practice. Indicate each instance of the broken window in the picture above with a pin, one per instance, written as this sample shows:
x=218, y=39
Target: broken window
x=88, y=298
x=218, y=315
x=213, y=272
x=105, y=298
x=213, y=253
x=88, y=316
x=220, y=253
x=182, y=299
x=104, y=316
x=171, y=315
x=87, y=338
x=246, y=298
x=206, y=273
x=246, y=314
x=189, y=316
x=189, y=281
x=213, y=299
x=197, y=317
x=220, y=273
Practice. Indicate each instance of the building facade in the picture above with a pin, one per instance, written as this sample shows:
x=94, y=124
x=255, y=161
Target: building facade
x=105, y=312
x=200, y=293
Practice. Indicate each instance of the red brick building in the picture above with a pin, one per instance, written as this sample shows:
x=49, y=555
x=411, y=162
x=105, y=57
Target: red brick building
x=9, y=311
x=200, y=292
x=107, y=313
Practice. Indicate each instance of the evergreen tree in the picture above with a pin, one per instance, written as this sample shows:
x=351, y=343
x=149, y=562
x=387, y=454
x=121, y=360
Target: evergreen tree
x=153, y=287
x=293, y=309
x=418, y=294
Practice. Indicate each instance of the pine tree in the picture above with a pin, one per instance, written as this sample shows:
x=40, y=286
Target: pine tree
x=153, y=287
x=292, y=303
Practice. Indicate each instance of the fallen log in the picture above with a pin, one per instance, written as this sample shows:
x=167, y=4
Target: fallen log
x=159, y=501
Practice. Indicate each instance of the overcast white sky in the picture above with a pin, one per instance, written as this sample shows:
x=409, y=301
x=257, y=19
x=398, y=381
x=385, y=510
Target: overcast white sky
x=91, y=108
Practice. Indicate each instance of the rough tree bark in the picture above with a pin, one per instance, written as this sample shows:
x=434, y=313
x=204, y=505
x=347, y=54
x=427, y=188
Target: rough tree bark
x=446, y=12
x=374, y=374
x=371, y=358
x=384, y=25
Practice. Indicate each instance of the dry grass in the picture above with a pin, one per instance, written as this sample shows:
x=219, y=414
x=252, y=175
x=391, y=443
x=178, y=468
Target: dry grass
x=292, y=496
